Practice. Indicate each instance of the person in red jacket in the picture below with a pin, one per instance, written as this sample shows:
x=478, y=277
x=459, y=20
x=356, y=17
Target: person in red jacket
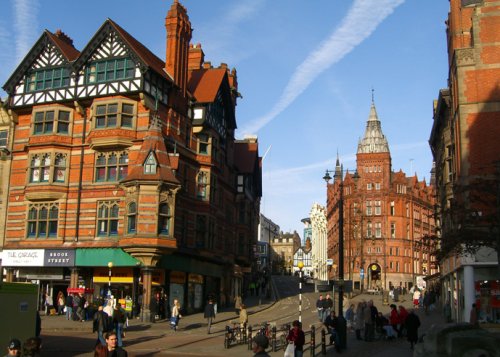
x=403, y=314
x=296, y=335
x=394, y=319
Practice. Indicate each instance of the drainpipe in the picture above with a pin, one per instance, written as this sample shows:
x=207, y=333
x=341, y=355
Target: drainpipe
x=83, y=113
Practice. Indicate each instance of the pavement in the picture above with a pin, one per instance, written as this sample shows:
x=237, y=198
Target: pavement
x=71, y=338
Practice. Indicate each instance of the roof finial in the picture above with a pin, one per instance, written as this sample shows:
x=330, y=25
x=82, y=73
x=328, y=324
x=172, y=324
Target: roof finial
x=373, y=95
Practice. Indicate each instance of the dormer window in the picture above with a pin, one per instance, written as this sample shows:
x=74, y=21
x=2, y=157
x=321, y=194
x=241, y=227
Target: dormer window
x=150, y=164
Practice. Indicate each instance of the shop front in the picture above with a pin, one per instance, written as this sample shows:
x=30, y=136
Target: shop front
x=50, y=269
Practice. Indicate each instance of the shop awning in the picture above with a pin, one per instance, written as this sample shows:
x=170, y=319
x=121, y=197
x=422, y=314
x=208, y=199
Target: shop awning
x=100, y=257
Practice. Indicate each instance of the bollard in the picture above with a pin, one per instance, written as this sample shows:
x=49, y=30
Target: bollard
x=245, y=333
x=323, y=342
x=249, y=337
x=273, y=338
x=313, y=341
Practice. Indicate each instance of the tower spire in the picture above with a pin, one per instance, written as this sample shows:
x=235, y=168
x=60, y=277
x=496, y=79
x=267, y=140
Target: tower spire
x=374, y=140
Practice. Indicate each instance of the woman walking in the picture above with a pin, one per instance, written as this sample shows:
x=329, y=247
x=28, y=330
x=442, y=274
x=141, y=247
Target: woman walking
x=359, y=321
x=176, y=315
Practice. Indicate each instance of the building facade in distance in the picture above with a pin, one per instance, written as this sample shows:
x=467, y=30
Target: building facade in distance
x=126, y=175
x=386, y=217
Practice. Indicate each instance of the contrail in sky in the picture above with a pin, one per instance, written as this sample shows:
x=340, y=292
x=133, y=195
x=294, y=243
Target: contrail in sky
x=25, y=26
x=362, y=19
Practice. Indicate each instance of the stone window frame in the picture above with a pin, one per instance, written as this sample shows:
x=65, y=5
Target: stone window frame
x=56, y=122
x=107, y=165
x=119, y=114
x=37, y=222
x=107, y=218
x=164, y=219
x=132, y=217
x=57, y=174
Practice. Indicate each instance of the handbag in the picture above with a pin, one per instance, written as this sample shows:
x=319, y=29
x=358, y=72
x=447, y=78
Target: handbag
x=290, y=350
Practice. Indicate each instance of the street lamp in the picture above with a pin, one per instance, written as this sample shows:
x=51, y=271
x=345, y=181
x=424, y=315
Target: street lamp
x=300, y=265
x=110, y=265
x=342, y=325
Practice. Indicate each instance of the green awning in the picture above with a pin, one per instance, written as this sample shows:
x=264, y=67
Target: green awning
x=100, y=257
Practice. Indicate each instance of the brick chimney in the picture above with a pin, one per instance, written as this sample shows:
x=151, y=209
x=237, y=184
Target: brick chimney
x=178, y=36
x=63, y=37
x=196, y=57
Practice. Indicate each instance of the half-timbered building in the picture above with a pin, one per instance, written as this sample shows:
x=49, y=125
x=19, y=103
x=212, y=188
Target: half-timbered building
x=126, y=176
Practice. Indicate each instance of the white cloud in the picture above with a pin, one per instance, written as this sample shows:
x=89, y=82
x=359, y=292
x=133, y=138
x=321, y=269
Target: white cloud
x=362, y=19
x=25, y=26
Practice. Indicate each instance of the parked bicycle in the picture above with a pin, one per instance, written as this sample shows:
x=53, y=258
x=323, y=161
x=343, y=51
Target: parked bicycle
x=234, y=335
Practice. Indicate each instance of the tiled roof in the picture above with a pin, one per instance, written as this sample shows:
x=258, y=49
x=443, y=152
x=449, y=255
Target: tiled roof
x=245, y=156
x=205, y=83
x=153, y=142
x=69, y=51
x=148, y=57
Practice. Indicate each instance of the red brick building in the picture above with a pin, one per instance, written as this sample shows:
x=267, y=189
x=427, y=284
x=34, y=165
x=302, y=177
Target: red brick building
x=126, y=171
x=464, y=142
x=386, y=215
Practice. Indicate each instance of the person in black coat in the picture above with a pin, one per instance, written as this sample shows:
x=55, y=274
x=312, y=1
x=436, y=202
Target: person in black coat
x=412, y=324
x=113, y=349
x=209, y=314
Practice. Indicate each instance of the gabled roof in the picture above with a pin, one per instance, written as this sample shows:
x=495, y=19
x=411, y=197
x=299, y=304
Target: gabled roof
x=246, y=156
x=141, y=52
x=67, y=50
x=204, y=83
x=153, y=142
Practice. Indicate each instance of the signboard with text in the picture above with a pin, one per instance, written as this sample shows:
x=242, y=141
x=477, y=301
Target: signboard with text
x=38, y=258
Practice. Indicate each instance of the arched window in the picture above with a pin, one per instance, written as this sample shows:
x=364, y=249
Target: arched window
x=201, y=191
x=132, y=218
x=42, y=220
x=107, y=218
x=164, y=219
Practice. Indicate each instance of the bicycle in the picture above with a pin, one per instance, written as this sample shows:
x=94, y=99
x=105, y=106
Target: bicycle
x=234, y=334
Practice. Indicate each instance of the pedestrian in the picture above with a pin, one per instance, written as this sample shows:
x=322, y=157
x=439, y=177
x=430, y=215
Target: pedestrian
x=49, y=303
x=369, y=322
x=416, y=298
x=297, y=337
x=237, y=304
x=385, y=327
x=209, y=314
x=394, y=319
x=60, y=303
x=327, y=306
x=119, y=319
x=243, y=317
x=176, y=314
x=403, y=314
x=358, y=319
x=32, y=347
x=427, y=301
x=412, y=324
x=100, y=325
x=473, y=316
x=349, y=316
x=69, y=307
x=14, y=348
x=331, y=324
x=259, y=345
x=100, y=351
x=319, y=307
x=113, y=349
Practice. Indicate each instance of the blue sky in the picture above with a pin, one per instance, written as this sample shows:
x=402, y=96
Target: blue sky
x=306, y=70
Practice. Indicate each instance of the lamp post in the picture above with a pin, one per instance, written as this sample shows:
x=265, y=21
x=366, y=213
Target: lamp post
x=300, y=265
x=110, y=265
x=342, y=325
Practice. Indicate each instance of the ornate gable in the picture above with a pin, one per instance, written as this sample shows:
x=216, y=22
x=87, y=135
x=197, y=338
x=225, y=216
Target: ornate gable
x=45, y=74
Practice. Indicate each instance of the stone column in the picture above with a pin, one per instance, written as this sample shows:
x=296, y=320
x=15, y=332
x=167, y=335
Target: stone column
x=469, y=291
x=147, y=277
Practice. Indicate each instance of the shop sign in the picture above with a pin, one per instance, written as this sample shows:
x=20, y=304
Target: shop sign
x=118, y=275
x=23, y=258
x=195, y=278
x=59, y=258
x=177, y=277
x=41, y=274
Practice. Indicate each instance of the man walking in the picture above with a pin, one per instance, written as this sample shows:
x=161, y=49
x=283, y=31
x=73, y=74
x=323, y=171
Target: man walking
x=69, y=307
x=319, y=307
x=113, y=349
x=209, y=314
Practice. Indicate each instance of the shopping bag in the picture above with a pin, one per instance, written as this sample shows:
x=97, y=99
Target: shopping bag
x=173, y=321
x=290, y=350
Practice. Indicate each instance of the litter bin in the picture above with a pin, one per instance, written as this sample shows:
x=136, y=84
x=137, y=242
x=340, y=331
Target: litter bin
x=385, y=299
